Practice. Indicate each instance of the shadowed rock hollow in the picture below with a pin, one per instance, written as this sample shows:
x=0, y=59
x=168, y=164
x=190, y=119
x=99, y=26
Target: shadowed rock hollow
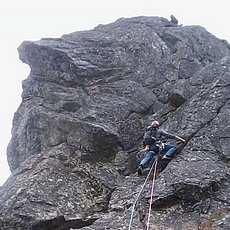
x=77, y=133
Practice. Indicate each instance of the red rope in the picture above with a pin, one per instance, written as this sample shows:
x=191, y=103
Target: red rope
x=151, y=196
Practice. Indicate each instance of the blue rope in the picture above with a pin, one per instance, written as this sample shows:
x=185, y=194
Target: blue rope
x=142, y=188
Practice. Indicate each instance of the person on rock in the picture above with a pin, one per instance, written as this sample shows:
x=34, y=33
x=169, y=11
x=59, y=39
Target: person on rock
x=150, y=142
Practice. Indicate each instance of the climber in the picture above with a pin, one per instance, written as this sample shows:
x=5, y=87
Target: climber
x=151, y=139
x=173, y=20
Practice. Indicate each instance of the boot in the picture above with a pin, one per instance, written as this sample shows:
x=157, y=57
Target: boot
x=139, y=170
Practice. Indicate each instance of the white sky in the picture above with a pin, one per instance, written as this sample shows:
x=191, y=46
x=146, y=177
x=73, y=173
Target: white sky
x=32, y=20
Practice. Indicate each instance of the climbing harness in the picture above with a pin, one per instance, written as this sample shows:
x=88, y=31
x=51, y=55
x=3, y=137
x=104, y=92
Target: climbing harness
x=153, y=166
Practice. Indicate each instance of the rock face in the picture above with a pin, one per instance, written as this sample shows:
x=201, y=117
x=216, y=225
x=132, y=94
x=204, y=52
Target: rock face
x=77, y=134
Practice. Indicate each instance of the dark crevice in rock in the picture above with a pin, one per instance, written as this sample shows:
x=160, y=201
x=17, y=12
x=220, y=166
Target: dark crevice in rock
x=193, y=134
x=166, y=202
x=176, y=99
x=59, y=223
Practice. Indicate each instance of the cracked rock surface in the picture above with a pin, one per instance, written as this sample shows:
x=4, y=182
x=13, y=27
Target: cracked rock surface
x=76, y=136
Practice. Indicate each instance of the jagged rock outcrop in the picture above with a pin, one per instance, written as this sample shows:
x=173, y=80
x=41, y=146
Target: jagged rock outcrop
x=77, y=134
